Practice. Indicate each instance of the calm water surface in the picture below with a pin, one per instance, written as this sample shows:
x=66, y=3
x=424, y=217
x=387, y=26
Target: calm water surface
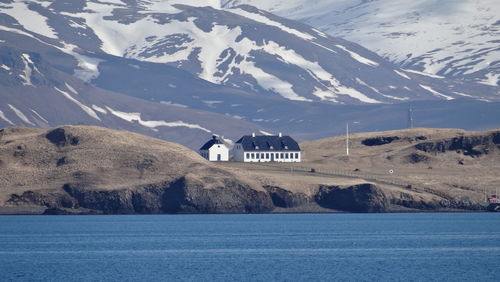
x=289, y=247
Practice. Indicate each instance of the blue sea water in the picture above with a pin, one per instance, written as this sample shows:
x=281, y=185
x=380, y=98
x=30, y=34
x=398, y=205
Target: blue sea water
x=275, y=247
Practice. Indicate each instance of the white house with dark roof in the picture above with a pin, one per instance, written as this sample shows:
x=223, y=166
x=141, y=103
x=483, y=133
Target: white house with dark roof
x=263, y=148
x=215, y=150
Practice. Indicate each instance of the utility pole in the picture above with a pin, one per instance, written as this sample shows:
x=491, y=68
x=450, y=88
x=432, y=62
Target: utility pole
x=410, y=116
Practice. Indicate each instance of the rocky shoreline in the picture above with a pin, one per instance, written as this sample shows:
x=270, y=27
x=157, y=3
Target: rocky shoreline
x=182, y=197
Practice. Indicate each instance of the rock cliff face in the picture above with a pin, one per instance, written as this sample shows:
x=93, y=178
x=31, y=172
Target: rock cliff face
x=467, y=145
x=179, y=196
x=358, y=198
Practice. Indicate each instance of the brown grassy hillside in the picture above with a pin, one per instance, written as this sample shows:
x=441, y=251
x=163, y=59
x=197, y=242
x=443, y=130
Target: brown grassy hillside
x=456, y=162
x=85, y=169
x=80, y=166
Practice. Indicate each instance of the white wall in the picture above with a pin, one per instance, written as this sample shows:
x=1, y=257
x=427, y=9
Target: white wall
x=284, y=156
x=217, y=149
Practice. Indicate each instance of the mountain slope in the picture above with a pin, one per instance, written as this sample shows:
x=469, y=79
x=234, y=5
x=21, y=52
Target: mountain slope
x=33, y=93
x=256, y=71
x=241, y=47
x=457, y=39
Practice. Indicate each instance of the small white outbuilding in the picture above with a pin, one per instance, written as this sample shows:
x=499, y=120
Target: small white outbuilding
x=215, y=150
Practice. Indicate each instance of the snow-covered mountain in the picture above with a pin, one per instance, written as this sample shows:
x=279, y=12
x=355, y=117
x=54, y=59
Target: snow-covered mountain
x=35, y=94
x=194, y=68
x=458, y=39
x=240, y=47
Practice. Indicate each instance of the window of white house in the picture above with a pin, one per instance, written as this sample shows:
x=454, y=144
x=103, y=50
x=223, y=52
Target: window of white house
x=286, y=156
x=267, y=155
x=281, y=156
x=296, y=155
x=253, y=156
x=248, y=155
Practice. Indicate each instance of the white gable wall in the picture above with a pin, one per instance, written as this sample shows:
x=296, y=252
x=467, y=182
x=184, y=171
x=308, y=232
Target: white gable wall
x=218, y=152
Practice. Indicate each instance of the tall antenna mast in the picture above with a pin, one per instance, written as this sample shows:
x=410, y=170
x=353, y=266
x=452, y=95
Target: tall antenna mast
x=347, y=138
x=410, y=116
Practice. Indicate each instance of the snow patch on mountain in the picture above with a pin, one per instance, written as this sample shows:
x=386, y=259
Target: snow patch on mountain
x=99, y=109
x=88, y=66
x=167, y=6
x=265, y=20
x=131, y=117
x=2, y=116
x=265, y=133
x=270, y=82
x=29, y=19
x=402, y=74
x=491, y=79
x=39, y=116
x=70, y=88
x=358, y=57
x=174, y=104
x=424, y=73
x=85, y=108
x=20, y=114
x=437, y=94
x=463, y=94
x=361, y=82
x=27, y=70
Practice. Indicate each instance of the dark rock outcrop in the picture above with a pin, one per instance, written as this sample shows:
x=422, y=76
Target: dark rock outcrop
x=357, y=198
x=417, y=158
x=380, y=140
x=48, y=199
x=408, y=201
x=285, y=199
x=187, y=196
x=59, y=138
x=468, y=145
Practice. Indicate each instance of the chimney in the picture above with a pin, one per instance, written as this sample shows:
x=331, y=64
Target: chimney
x=253, y=134
x=214, y=137
x=280, y=135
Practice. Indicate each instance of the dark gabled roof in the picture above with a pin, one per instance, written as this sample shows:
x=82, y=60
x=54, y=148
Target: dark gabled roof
x=210, y=143
x=268, y=143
